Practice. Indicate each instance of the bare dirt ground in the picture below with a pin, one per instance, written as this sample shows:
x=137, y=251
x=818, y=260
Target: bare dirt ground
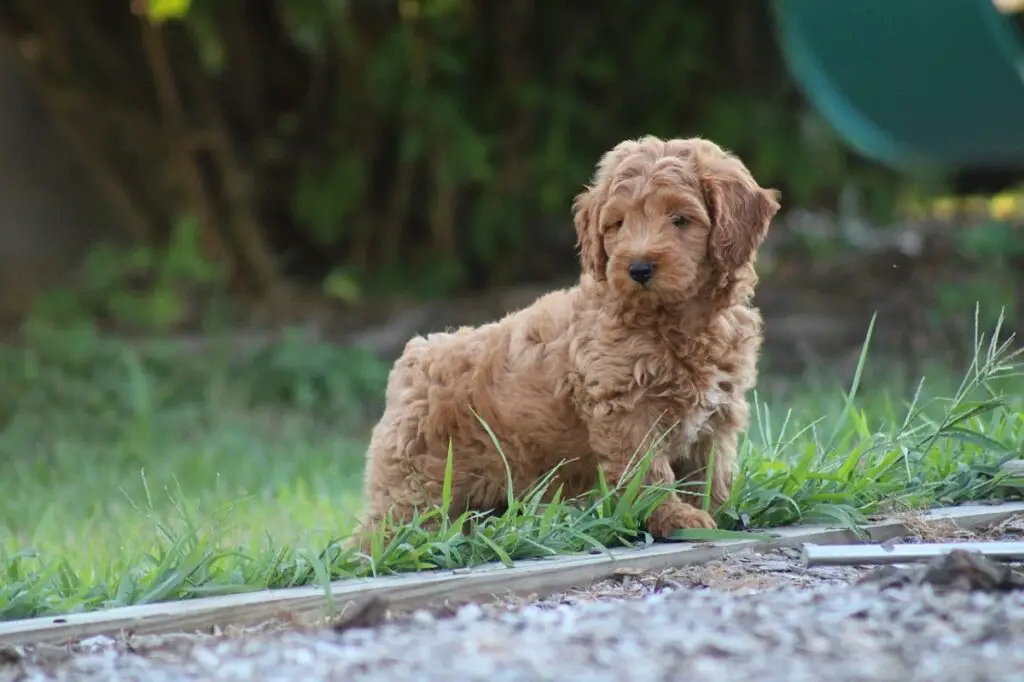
x=754, y=615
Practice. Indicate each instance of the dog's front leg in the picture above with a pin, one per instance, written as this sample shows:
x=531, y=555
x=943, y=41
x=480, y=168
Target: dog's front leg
x=673, y=514
x=619, y=444
x=722, y=462
x=716, y=449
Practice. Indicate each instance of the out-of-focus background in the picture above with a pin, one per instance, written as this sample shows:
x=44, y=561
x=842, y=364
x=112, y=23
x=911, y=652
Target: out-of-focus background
x=367, y=170
x=220, y=221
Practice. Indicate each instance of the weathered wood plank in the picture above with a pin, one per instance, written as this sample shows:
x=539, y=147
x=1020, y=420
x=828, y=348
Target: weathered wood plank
x=876, y=555
x=415, y=590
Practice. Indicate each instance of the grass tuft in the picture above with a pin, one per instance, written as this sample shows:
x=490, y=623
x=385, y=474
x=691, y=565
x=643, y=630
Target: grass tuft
x=132, y=477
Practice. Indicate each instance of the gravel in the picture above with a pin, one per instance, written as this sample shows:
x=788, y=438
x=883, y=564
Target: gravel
x=827, y=633
x=755, y=616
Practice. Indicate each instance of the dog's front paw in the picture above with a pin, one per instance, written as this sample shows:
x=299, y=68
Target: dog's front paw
x=669, y=517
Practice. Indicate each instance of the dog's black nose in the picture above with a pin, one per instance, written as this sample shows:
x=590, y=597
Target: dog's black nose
x=641, y=271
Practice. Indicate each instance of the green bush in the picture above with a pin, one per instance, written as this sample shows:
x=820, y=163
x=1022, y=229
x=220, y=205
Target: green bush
x=417, y=145
x=99, y=387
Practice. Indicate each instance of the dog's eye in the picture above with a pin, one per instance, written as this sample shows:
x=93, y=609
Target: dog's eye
x=680, y=220
x=614, y=226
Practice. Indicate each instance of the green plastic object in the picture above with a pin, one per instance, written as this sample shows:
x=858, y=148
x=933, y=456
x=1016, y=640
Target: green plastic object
x=912, y=83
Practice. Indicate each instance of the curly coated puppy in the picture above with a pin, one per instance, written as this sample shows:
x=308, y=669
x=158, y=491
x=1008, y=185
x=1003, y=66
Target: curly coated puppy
x=655, y=347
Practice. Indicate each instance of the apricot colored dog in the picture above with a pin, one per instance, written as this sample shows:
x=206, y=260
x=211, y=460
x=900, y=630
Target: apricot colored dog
x=655, y=347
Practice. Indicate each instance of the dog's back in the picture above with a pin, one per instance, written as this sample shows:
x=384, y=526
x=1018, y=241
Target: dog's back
x=509, y=374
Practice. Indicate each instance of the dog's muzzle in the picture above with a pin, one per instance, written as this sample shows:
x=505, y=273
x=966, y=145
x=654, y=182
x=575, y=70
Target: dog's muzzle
x=641, y=271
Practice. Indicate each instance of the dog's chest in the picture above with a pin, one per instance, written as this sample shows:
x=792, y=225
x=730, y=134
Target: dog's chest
x=688, y=414
x=678, y=396
x=696, y=421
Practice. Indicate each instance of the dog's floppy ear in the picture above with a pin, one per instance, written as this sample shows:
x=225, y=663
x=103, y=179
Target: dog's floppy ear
x=586, y=209
x=740, y=209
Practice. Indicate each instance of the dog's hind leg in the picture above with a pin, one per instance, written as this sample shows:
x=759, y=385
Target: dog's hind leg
x=402, y=478
x=387, y=512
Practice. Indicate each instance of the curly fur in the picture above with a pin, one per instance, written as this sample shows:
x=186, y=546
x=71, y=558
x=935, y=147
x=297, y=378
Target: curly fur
x=596, y=373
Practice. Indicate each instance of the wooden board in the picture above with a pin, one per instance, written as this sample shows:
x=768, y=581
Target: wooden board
x=876, y=555
x=415, y=590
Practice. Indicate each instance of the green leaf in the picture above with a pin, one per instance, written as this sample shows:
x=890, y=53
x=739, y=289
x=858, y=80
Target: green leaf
x=343, y=287
x=163, y=10
x=979, y=439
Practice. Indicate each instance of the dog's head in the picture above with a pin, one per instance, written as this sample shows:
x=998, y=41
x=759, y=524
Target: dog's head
x=661, y=218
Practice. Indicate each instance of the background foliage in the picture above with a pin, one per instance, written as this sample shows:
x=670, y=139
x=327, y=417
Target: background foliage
x=410, y=145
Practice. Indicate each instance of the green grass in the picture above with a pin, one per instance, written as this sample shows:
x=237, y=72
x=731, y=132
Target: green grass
x=138, y=475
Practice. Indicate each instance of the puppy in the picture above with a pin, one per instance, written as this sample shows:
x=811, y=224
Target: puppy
x=653, y=350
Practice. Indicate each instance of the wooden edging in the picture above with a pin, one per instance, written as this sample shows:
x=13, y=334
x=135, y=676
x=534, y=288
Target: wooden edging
x=878, y=555
x=416, y=590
